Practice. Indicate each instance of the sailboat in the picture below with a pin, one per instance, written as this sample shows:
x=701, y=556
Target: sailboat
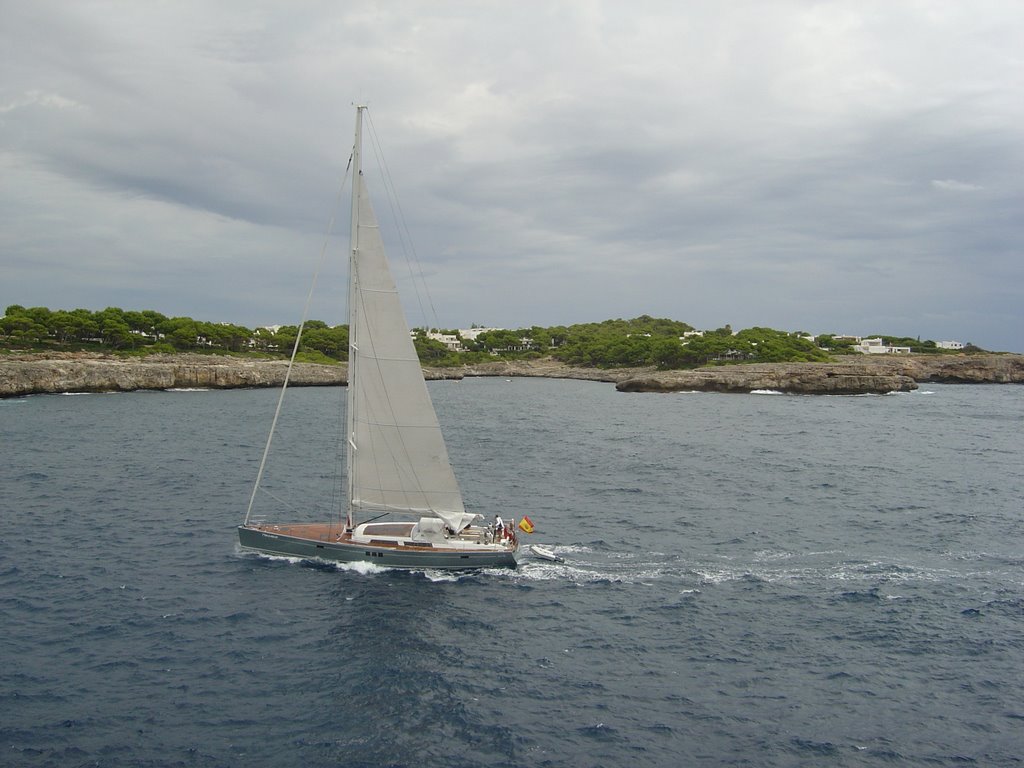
x=404, y=507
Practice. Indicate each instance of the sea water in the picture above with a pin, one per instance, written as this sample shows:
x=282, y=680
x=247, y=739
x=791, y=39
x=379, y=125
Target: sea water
x=754, y=580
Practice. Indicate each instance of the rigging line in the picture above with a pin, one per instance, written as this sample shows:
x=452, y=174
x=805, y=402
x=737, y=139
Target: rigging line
x=298, y=338
x=277, y=498
x=405, y=238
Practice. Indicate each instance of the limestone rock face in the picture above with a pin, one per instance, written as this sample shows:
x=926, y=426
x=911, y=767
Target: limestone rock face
x=545, y=367
x=858, y=375
x=813, y=379
x=970, y=369
x=76, y=373
x=81, y=372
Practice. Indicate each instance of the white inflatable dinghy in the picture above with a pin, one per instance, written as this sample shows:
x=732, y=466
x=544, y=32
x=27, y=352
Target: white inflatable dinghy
x=544, y=553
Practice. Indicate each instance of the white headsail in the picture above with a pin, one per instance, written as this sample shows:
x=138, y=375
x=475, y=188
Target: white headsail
x=398, y=461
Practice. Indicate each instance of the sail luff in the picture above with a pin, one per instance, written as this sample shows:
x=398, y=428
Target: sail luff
x=353, y=282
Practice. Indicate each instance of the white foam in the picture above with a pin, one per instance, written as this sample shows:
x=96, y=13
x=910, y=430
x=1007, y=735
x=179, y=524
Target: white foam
x=278, y=558
x=767, y=554
x=357, y=567
x=360, y=567
x=572, y=548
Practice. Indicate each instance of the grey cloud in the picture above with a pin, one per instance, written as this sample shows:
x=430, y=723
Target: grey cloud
x=809, y=166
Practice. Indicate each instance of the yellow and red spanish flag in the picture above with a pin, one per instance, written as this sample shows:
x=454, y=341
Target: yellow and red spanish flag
x=526, y=524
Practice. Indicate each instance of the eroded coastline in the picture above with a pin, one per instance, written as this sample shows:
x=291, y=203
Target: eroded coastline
x=30, y=374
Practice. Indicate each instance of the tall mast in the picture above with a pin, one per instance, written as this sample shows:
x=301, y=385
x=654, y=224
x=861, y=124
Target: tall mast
x=353, y=298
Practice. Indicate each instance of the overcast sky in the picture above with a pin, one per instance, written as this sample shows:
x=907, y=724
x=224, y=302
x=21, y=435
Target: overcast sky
x=850, y=167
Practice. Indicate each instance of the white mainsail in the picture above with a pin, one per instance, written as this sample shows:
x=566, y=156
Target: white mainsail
x=397, y=457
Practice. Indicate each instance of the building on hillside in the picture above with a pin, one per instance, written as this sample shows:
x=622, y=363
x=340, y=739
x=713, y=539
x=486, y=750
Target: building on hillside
x=949, y=344
x=733, y=355
x=877, y=347
x=451, y=341
x=470, y=334
x=524, y=345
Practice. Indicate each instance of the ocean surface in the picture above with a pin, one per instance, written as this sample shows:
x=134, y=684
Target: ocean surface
x=754, y=580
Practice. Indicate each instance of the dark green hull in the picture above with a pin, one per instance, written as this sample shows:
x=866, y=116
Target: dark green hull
x=390, y=557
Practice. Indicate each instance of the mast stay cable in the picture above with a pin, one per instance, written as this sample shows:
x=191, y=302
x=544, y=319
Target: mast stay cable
x=298, y=338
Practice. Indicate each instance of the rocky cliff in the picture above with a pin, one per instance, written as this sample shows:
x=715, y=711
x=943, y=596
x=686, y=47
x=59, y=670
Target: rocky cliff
x=807, y=379
x=957, y=369
x=856, y=375
x=28, y=375
x=76, y=372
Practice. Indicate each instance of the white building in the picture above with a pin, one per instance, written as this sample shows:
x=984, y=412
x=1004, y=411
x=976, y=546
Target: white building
x=470, y=334
x=876, y=347
x=949, y=344
x=450, y=340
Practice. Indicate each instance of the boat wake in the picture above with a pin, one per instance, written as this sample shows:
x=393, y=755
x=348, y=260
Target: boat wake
x=581, y=566
x=362, y=568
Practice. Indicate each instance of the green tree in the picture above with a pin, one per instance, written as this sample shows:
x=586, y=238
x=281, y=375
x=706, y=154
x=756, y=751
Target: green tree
x=181, y=332
x=332, y=342
x=284, y=338
x=113, y=328
x=16, y=321
x=84, y=326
